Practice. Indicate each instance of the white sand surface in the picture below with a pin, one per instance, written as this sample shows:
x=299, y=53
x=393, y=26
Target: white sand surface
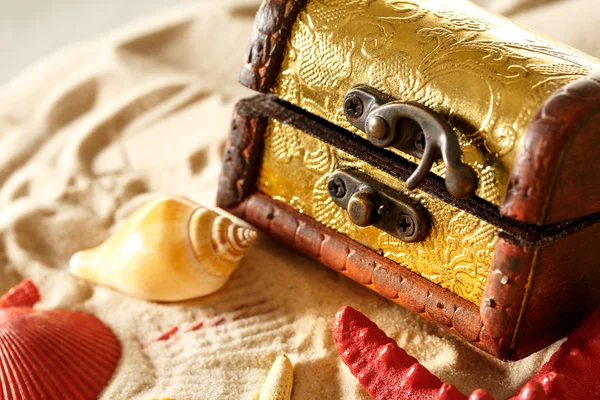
x=96, y=130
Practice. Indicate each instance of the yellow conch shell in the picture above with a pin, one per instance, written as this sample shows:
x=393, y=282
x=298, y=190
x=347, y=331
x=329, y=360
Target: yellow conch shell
x=280, y=380
x=171, y=249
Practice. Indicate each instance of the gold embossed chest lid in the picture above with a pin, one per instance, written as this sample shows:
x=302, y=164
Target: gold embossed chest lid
x=485, y=75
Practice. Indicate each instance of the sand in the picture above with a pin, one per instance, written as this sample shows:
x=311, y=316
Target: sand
x=94, y=131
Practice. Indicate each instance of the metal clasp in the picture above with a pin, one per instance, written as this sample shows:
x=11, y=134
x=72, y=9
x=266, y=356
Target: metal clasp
x=413, y=129
x=369, y=202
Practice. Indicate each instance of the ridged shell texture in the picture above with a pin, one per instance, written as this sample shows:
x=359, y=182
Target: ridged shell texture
x=52, y=354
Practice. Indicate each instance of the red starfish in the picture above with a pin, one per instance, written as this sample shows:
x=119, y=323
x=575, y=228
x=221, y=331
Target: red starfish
x=387, y=372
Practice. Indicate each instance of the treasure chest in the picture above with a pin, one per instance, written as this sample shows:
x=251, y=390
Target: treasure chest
x=433, y=152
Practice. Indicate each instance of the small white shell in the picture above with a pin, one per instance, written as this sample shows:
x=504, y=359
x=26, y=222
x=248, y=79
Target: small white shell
x=280, y=380
x=171, y=249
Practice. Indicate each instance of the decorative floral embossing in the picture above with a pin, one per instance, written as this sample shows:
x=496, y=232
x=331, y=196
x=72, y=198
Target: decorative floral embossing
x=405, y=10
x=329, y=14
x=458, y=21
x=295, y=202
x=319, y=160
x=460, y=260
x=486, y=75
x=456, y=254
x=502, y=140
x=285, y=145
x=378, y=40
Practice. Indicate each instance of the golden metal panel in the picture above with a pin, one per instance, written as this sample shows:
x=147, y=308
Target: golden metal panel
x=456, y=254
x=486, y=75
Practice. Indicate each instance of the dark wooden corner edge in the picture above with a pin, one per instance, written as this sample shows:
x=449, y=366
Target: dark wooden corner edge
x=490, y=327
x=265, y=52
x=366, y=267
x=241, y=159
x=547, y=140
x=505, y=294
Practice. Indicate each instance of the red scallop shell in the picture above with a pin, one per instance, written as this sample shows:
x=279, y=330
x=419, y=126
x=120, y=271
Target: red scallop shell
x=52, y=354
x=25, y=294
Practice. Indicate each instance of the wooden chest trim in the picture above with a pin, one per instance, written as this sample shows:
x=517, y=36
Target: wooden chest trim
x=237, y=194
x=393, y=164
x=264, y=55
x=562, y=290
x=512, y=294
x=542, y=216
x=547, y=161
x=267, y=106
x=366, y=267
x=506, y=293
x=241, y=159
x=535, y=193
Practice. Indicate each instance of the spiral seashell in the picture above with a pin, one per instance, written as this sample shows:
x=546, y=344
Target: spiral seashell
x=52, y=354
x=171, y=249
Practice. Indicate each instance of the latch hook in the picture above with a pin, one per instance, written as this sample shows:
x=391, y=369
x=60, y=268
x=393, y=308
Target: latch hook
x=414, y=129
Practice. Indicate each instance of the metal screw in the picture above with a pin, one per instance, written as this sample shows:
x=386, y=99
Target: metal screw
x=420, y=141
x=336, y=187
x=405, y=225
x=353, y=106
